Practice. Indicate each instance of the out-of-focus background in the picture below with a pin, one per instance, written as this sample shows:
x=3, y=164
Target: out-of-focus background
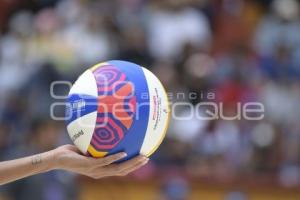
x=240, y=50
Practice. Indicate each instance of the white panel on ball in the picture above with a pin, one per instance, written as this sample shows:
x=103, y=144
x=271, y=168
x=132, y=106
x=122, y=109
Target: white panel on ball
x=81, y=130
x=85, y=85
x=158, y=115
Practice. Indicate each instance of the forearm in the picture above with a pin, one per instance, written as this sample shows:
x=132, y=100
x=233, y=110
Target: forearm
x=69, y=158
x=23, y=167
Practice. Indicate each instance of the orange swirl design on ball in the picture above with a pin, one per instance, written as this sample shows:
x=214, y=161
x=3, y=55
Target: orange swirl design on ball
x=116, y=109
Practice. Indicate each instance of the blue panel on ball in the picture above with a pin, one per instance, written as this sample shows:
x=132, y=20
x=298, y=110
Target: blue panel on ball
x=133, y=140
x=80, y=105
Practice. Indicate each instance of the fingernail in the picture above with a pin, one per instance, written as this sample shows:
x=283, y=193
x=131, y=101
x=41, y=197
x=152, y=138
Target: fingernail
x=146, y=161
x=123, y=154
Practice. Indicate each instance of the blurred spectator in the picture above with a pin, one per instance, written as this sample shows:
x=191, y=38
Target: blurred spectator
x=175, y=189
x=236, y=195
x=172, y=25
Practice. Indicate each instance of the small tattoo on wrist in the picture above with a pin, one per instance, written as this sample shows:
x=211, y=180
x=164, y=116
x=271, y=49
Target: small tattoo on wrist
x=36, y=160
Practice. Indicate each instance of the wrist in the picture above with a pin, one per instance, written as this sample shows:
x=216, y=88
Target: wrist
x=51, y=160
x=54, y=157
x=57, y=157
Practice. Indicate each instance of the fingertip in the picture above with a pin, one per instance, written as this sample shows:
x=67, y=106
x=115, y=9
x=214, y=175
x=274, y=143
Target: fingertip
x=123, y=154
x=146, y=161
x=142, y=163
x=141, y=156
x=144, y=158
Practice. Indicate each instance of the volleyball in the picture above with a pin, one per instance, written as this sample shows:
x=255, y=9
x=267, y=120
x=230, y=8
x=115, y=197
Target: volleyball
x=117, y=106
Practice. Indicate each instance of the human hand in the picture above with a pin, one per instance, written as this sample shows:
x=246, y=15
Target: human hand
x=68, y=157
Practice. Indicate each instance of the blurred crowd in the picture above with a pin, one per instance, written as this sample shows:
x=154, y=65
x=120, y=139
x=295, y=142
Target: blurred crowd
x=239, y=50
